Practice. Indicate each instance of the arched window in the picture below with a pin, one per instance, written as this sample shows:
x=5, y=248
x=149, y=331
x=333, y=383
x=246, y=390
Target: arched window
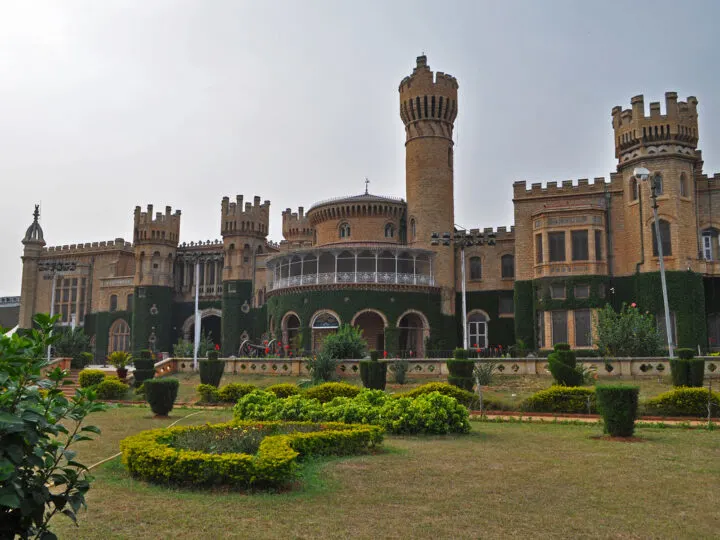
x=413, y=231
x=113, y=302
x=477, y=330
x=344, y=230
x=475, y=268
x=119, y=336
x=389, y=230
x=684, y=191
x=507, y=266
x=665, y=236
x=325, y=320
x=657, y=184
x=634, y=188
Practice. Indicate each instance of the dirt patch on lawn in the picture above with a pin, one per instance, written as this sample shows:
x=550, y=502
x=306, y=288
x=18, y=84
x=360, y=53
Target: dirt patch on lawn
x=618, y=439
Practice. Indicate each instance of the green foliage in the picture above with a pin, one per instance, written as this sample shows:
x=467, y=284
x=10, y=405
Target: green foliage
x=346, y=343
x=213, y=355
x=524, y=320
x=144, y=367
x=399, y=370
x=684, y=401
x=90, y=377
x=120, y=359
x=161, y=394
x=230, y=393
x=628, y=332
x=373, y=374
x=111, y=388
x=618, y=406
x=562, y=399
x=72, y=344
x=374, y=355
x=211, y=371
x=426, y=413
x=468, y=399
x=563, y=366
x=461, y=354
x=461, y=371
x=185, y=349
x=146, y=354
x=322, y=367
x=155, y=456
x=283, y=390
x=687, y=371
x=208, y=393
x=39, y=428
x=685, y=354
x=483, y=372
x=329, y=391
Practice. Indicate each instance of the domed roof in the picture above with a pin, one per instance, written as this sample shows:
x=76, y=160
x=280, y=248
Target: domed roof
x=362, y=198
x=34, y=233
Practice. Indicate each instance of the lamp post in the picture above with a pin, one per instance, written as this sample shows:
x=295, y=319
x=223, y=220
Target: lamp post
x=462, y=239
x=642, y=174
x=52, y=269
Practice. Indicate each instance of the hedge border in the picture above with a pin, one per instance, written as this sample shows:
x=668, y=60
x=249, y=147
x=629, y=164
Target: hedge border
x=150, y=457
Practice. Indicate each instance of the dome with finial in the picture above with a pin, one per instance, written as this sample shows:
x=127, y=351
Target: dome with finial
x=34, y=233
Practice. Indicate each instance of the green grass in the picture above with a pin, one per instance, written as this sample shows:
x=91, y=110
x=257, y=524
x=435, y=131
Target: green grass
x=502, y=480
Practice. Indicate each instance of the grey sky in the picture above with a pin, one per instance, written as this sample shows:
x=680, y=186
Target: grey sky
x=106, y=105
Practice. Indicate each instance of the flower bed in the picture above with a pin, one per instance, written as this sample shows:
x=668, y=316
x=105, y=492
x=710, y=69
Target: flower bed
x=173, y=455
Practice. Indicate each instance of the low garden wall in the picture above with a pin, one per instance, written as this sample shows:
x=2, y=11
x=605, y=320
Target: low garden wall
x=430, y=367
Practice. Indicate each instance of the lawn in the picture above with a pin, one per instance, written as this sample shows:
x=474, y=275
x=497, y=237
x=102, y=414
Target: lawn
x=501, y=480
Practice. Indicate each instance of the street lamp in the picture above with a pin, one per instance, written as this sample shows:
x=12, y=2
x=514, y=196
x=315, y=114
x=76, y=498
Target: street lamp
x=52, y=269
x=463, y=238
x=642, y=174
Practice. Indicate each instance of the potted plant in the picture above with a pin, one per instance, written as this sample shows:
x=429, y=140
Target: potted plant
x=120, y=360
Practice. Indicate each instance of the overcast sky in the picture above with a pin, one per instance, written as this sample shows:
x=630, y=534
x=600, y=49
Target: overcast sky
x=105, y=105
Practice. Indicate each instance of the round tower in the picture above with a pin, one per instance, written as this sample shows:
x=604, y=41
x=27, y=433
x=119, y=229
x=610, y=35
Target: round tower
x=428, y=107
x=33, y=242
x=665, y=144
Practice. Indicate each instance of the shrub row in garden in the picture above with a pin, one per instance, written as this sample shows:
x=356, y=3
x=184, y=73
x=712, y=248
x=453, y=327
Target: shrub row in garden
x=683, y=402
x=234, y=391
x=428, y=413
x=686, y=370
x=151, y=456
x=562, y=399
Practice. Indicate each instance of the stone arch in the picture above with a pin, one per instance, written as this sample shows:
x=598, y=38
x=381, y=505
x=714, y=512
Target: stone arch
x=119, y=336
x=373, y=324
x=190, y=321
x=320, y=332
x=290, y=329
x=371, y=310
x=413, y=329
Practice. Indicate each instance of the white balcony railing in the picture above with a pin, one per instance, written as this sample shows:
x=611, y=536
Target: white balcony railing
x=352, y=277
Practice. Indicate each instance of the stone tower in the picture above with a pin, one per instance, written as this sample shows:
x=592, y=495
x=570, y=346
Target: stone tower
x=296, y=228
x=428, y=107
x=666, y=145
x=244, y=230
x=155, y=240
x=33, y=243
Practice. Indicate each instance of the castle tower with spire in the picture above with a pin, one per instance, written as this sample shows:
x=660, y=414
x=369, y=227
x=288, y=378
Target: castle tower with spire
x=428, y=108
x=33, y=242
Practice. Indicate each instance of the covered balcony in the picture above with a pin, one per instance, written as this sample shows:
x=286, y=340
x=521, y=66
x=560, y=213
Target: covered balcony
x=351, y=264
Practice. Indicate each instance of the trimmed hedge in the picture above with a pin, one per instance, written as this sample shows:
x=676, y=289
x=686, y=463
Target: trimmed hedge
x=283, y=390
x=373, y=374
x=563, y=366
x=90, y=377
x=687, y=371
x=618, y=405
x=211, y=371
x=468, y=399
x=111, y=388
x=144, y=367
x=150, y=455
x=230, y=393
x=562, y=399
x=328, y=391
x=161, y=394
x=461, y=371
x=208, y=393
x=683, y=401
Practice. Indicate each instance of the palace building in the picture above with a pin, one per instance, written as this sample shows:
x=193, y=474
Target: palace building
x=393, y=267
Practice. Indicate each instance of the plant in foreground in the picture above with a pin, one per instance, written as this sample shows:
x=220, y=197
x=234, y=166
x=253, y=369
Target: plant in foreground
x=618, y=406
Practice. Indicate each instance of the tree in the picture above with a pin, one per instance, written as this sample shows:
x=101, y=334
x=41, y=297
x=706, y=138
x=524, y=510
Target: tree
x=346, y=343
x=39, y=476
x=628, y=332
x=72, y=344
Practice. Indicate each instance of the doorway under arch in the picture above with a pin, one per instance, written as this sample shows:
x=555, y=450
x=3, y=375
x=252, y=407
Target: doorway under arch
x=210, y=325
x=413, y=329
x=323, y=324
x=372, y=323
x=290, y=327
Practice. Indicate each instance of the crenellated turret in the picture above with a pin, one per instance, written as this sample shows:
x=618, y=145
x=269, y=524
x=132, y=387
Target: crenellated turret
x=296, y=228
x=244, y=230
x=155, y=241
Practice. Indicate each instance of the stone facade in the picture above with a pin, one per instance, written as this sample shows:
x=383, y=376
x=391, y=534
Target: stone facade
x=393, y=267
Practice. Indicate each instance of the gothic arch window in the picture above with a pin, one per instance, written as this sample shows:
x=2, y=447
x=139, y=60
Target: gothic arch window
x=684, y=190
x=634, y=188
x=389, y=230
x=344, y=230
x=658, y=184
x=119, y=336
x=665, y=237
x=475, y=268
x=113, y=302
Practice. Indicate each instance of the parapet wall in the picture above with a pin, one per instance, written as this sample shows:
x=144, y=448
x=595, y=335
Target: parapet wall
x=251, y=220
x=117, y=244
x=565, y=188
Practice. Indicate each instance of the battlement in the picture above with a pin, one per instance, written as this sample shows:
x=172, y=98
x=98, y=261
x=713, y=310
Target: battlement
x=425, y=96
x=73, y=249
x=679, y=124
x=213, y=244
x=296, y=225
x=500, y=233
x=566, y=187
x=705, y=182
x=160, y=228
x=252, y=220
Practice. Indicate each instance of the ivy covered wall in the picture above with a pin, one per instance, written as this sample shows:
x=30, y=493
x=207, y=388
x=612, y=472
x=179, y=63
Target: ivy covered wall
x=98, y=325
x=501, y=330
x=234, y=321
x=147, y=319
x=346, y=303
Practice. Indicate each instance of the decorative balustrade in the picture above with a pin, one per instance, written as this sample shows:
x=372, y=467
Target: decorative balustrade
x=352, y=277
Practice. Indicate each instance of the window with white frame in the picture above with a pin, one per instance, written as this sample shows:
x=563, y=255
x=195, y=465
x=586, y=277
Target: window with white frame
x=477, y=330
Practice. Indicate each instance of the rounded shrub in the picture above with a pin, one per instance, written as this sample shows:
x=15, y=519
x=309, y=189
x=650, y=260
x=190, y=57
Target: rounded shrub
x=469, y=399
x=144, y=367
x=208, y=393
x=562, y=399
x=618, y=405
x=90, y=377
x=461, y=372
x=684, y=401
x=328, y=391
x=373, y=374
x=431, y=413
x=111, y=388
x=161, y=394
x=230, y=393
x=283, y=390
x=211, y=370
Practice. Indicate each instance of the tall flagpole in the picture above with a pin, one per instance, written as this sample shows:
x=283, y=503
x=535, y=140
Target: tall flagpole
x=197, y=314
